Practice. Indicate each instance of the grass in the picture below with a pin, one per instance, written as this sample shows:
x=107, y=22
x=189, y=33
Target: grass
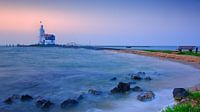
x=189, y=53
x=180, y=53
x=164, y=51
x=183, y=108
x=189, y=106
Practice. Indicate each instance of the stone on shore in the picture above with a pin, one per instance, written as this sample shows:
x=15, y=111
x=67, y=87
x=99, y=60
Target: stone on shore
x=146, y=96
x=9, y=100
x=180, y=93
x=136, y=77
x=195, y=88
x=94, y=92
x=80, y=97
x=69, y=103
x=113, y=79
x=121, y=88
x=44, y=104
x=140, y=76
x=148, y=78
x=26, y=97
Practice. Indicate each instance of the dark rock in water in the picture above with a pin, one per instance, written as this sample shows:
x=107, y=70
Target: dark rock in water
x=69, y=103
x=94, y=92
x=121, y=88
x=146, y=96
x=15, y=96
x=132, y=83
x=137, y=89
x=8, y=100
x=136, y=77
x=113, y=79
x=26, y=97
x=180, y=93
x=80, y=97
x=44, y=104
x=148, y=78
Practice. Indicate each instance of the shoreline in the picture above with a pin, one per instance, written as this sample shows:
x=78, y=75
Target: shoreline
x=184, y=59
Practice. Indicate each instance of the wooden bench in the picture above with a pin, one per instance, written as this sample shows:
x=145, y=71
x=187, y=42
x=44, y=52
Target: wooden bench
x=189, y=48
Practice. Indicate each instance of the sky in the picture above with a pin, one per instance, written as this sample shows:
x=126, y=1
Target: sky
x=102, y=22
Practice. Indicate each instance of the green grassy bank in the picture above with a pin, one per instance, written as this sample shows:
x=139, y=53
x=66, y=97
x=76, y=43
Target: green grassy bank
x=191, y=105
x=176, y=52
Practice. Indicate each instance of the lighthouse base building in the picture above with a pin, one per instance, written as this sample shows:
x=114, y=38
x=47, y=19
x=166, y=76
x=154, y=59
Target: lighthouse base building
x=46, y=39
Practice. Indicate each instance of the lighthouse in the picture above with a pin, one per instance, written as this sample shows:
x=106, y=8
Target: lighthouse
x=45, y=39
x=42, y=33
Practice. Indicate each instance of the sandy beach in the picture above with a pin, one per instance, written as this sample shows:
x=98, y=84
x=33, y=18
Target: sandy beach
x=186, y=59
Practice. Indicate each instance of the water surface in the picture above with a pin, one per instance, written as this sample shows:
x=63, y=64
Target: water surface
x=60, y=73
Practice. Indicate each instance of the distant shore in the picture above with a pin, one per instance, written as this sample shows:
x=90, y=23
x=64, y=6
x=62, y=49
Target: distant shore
x=186, y=59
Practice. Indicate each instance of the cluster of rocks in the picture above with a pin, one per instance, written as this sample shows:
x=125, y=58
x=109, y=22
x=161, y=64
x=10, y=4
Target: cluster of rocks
x=122, y=87
x=43, y=103
x=11, y=99
x=125, y=87
x=140, y=76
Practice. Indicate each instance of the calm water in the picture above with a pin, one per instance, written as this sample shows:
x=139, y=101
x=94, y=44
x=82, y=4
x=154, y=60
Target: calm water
x=59, y=73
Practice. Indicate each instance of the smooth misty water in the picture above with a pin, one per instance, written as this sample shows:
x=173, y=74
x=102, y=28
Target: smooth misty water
x=59, y=73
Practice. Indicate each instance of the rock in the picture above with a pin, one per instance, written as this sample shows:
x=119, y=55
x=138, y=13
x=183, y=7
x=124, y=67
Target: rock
x=146, y=96
x=142, y=74
x=8, y=100
x=136, y=77
x=137, y=89
x=69, y=103
x=44, y=104
x=195, y=88
x=180, y=93
x=113, y=79
x=121, y=88
x=80, y=97
x=148, y=78
x=26, y=97
x=15, y=96
x=94, y=92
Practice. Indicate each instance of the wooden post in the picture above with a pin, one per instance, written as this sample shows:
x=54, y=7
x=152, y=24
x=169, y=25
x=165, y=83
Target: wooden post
x=196, y=49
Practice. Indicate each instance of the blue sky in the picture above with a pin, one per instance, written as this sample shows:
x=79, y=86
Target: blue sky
x=102, y=22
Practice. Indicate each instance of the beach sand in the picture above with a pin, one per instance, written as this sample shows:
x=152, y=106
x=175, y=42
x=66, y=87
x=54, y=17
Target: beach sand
x=185, y=59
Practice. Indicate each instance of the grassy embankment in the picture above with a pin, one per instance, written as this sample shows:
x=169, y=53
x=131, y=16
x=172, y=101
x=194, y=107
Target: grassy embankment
x=192, y=105
x=176, y=52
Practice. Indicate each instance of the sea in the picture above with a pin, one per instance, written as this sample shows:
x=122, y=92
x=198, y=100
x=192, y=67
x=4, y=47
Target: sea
x=58, y=74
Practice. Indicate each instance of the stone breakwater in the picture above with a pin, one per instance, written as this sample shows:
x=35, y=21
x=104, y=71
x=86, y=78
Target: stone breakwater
x=183, y=58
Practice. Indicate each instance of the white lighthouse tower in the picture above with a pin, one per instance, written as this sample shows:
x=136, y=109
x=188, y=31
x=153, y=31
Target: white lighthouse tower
x=45, y=39
x=42, y=34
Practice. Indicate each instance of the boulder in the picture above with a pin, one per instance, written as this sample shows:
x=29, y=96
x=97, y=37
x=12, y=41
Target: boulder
x=80, y=97
x=121, y=88
x=44, y=104
x=113, y=79
x=146, y=96
x=136, y=77
x=148, y=78
x=26, y=97
x=137, y=89
x=180, y=93
x=69, y=103
x=195, y=88
x=94, y=92
x=9, y=100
